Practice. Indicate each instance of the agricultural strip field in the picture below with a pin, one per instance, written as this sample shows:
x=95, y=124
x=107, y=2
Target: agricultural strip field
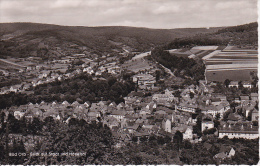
x=204, y=53
x=233, y=57
x=180, y=54
x=222, y=75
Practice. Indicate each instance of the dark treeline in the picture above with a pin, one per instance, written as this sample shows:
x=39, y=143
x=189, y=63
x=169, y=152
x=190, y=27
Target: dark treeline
x=240, y=28
x=197, y=40
x=80, y=88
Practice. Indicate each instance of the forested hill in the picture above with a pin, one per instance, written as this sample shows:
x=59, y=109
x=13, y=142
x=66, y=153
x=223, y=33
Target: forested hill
x=241, y=36
x=24, y=38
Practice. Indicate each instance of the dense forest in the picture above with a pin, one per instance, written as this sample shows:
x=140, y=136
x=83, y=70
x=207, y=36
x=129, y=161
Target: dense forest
x=80, y=88
x=242, y=35
x=180, y=66
x=97, y=143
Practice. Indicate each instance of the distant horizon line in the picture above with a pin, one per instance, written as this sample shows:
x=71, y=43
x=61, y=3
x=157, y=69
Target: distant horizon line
x=122, y=25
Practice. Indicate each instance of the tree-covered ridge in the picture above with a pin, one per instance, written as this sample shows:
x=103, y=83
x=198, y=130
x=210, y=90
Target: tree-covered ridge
x=242, y=36
x=181, y=66
x=79, y=88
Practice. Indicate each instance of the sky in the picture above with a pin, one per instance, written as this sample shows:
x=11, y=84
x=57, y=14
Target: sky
x=160, y=14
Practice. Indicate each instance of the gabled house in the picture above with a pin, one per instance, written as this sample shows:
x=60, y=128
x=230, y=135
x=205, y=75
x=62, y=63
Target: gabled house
x=144, y=81
x=65, y=103
x=75, y=103
x=18, y=114
x=254, y=96
x=221, y=156
x=87, y=104
x=93, y=116
x=166, y=125
x=120, y=106
x=246, y=84
x=244, y=98
x=207, y=124
x=119, y=115
x=113, y=104
x=186, y=107
x=163, y=98
x=233, y=84
x=238, y=130
x=188, y=133
x=255, y=115
x=231, y=153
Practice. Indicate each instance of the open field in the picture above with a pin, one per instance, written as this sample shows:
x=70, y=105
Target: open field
x=137, y=65
x=236, y=72
x=222, y=75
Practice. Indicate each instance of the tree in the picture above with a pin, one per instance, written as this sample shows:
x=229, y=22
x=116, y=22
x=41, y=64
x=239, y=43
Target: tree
x=158, y=74
x=227, y=82
x=36, y=126
x=191, y=95
x=178, y=137
x=240, y=85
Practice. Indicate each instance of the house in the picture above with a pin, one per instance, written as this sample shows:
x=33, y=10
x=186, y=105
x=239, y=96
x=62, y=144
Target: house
x=166, y=125
x=255, y=115
x=207, y=124
x=75, y=103
x=120, y=106
x=215, y=101
x=113, y=104
x=234, y=117
x=119, y=115
x=246, y=84
x=93, y=116
x=111, y=122
x=238, y=130
x=87, y=104
x=65, y=103
x=254, y=96
x=163, y=98
x=233, y=84
x=248, y=108
x=214, y=110
x=186, y=107
x=144, y=81
x=133, y=128
x=151, y=106
x=18, y=114
x=141, y=134
x=244, y=98
x=231, y=153
x=188, y=133
x=95, y=107
x=221, y=156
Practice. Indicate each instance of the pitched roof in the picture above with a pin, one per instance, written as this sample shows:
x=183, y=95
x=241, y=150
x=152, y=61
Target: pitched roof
x=116, y=112
x=75, y=103
x=244, y=97
x=161, y=112
x=221, y=155
x=254, y=94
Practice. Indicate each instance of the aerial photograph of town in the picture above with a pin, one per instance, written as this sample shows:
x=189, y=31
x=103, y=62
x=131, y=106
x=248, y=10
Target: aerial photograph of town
x=129, y=82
